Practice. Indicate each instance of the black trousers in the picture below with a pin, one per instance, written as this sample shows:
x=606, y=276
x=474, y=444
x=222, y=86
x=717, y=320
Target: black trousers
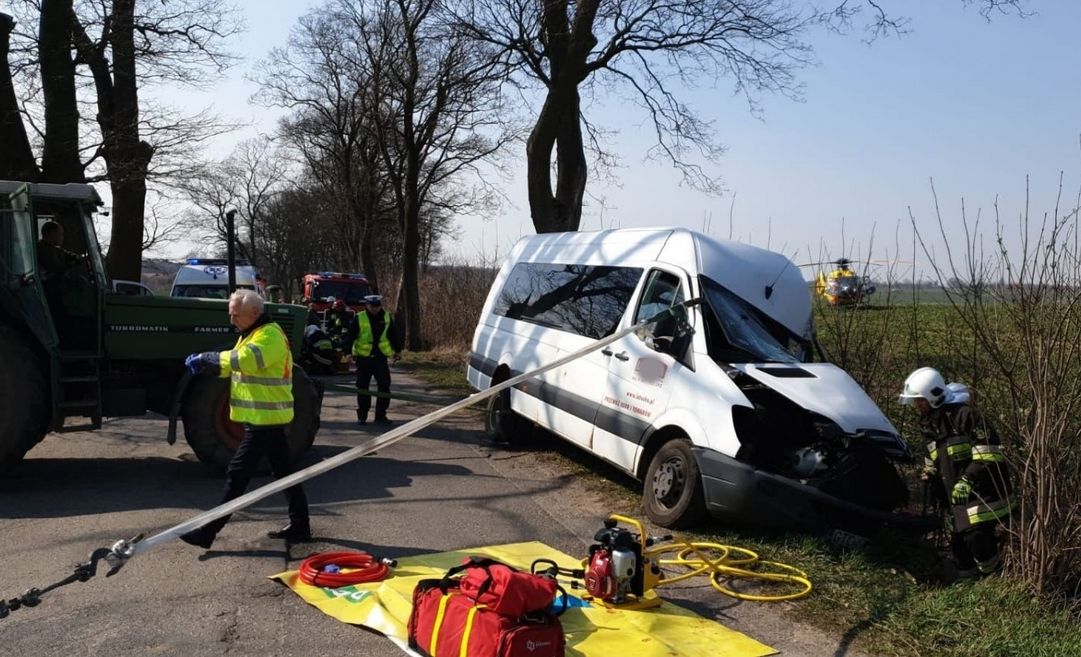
x=257, y=442
x=367, y=367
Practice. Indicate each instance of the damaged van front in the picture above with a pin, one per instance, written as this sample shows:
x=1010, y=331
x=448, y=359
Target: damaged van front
x=808, y=448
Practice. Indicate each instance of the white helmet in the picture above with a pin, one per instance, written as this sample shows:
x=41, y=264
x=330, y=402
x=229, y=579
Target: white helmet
x=925, y=383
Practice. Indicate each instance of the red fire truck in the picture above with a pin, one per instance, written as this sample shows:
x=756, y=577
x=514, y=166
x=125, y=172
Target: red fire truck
x=320, y=286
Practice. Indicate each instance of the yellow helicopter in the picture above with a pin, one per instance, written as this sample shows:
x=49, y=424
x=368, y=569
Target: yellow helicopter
x=842, y=286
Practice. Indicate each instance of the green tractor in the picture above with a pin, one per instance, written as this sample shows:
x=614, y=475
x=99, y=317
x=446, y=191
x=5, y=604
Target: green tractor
x=72, y=351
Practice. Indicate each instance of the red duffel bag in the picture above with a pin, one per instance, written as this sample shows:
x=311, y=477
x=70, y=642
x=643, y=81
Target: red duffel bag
x=446, y=621
x=503, y=589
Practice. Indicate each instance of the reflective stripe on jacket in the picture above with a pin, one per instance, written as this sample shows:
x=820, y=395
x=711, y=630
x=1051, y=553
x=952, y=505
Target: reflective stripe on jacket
x=363, y=345
x=260, y=369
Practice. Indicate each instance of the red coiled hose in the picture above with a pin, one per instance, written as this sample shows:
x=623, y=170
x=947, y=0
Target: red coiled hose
x=363, y=568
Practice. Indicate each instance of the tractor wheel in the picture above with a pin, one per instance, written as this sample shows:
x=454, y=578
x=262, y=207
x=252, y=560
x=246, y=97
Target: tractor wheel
x=214, y=437
x=24, y=388
x=672, y=491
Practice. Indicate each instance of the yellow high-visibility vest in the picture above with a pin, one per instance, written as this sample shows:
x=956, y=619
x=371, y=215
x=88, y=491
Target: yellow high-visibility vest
x=260, y=369
x=363, y=344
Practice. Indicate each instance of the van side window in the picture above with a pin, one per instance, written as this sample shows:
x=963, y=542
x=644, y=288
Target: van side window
x=661, y=293
x=583, y=299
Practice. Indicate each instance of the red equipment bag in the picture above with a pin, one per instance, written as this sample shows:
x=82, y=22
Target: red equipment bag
x=452, y=619
x=503, y=589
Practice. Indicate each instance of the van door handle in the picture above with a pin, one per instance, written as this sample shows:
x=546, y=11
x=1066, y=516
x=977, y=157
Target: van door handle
x=623, y=356
x=606, y=351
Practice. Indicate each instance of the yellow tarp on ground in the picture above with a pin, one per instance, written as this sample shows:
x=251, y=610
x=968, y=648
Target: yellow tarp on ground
x=592, y=631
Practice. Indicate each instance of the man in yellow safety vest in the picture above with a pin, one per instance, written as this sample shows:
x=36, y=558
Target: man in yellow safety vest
x=260, y=370
x=375, y=339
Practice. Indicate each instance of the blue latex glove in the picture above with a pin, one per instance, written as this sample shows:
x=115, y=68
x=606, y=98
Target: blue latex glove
x=206, y=361
x=962, y=490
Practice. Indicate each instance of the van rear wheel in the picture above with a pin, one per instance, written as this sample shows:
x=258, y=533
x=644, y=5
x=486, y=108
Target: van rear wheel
x=501, y=423
x=672, y=492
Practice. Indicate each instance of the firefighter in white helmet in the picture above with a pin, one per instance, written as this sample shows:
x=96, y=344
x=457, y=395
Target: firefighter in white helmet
x=967, y=467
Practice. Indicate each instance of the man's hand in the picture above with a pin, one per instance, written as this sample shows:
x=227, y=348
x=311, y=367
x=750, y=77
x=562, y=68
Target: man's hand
x=397, y=356
x=206, y=361
x=962, y=490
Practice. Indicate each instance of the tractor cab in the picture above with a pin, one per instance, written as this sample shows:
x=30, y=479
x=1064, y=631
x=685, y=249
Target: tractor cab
x=54, y=274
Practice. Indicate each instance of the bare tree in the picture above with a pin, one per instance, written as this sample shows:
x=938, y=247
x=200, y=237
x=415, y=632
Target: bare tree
x=321, y=76
x=650, y=50
x=97, y=124
x=434, y=103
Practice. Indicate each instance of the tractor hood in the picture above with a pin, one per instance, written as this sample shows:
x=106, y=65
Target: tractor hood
x=825, y=389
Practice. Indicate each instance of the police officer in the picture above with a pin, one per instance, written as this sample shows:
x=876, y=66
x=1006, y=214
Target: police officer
x=375, y=339
x=260, y=369
x=966, y=467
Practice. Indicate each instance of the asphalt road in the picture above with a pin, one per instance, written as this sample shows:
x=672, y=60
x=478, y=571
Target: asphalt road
x=445, y=489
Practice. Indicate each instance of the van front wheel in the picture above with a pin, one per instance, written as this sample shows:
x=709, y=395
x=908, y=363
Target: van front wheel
x=672, y=492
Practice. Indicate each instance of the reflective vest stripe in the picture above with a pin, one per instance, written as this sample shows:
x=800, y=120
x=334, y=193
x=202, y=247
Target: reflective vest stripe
x=960, y=448
x=234, y=359
x=258, y=353
x=240, y=377
x=261, y=405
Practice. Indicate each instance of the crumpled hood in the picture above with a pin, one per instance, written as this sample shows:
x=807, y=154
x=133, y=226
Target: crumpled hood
x=822, y=388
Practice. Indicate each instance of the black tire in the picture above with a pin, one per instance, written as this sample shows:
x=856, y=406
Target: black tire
x=24, y=387
x=214, y=438
x=501, y=423
x=672, y=491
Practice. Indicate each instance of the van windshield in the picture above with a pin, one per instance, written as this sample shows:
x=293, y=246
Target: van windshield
x=740, y=333
x=206, y=291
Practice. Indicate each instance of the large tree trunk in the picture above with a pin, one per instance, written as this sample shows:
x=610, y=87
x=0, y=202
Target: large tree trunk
x=18, y=160
x=127, y=157
x=558, y=128
x=60, y=161
x=124, y=261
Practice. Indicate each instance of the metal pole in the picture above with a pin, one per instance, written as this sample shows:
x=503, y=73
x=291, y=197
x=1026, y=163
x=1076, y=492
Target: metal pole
x=230, y=253
x=392, y=436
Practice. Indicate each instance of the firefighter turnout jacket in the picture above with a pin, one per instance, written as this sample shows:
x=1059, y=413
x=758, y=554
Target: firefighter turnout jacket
x=260, y=370
x=961, y=443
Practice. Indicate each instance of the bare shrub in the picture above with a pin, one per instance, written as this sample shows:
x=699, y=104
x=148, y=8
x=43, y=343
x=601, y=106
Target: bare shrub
x=451, y=296
x=1022, y=307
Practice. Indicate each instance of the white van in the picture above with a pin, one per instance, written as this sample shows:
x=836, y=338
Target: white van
x=732, y=417
x=208, y=278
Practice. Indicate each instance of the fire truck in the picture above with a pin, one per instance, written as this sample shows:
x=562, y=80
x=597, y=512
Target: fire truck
x=321, y=290
x=318, y=287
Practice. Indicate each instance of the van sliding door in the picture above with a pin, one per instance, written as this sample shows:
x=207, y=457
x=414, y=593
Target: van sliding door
x=637, y=389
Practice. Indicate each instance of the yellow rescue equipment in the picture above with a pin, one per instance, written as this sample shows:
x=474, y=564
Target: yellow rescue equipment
x=624, y=567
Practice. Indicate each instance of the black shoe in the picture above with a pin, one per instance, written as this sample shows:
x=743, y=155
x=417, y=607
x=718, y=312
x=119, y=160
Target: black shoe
x=362, y=422
x=293, y=532
x=384, y=421
x=199, y=538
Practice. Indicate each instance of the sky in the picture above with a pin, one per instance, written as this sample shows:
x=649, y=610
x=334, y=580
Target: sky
x=985, y=110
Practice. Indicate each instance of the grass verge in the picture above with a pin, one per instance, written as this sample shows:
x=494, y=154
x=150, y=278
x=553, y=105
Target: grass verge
x=885, y=598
